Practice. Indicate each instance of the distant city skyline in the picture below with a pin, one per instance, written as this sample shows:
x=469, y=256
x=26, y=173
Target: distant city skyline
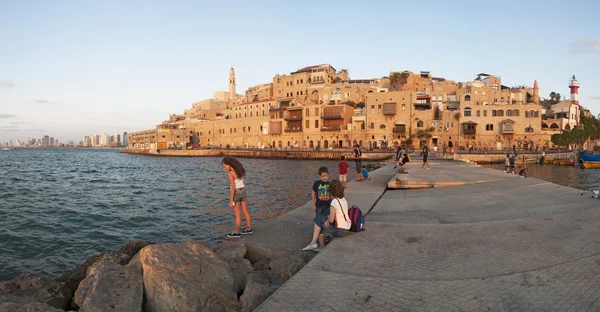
x=74, y=69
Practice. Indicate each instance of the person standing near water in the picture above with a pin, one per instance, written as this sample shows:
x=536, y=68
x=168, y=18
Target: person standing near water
x=237, y=195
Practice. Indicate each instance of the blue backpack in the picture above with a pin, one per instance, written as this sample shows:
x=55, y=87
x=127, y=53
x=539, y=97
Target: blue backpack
x=357, y=219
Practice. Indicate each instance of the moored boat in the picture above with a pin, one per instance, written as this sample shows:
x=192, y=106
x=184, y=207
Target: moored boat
x=583, y=156
x=527, y=161
x=567, y=162
x=591, y=164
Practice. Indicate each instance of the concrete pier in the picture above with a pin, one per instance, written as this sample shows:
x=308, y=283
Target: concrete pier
x=509, y=244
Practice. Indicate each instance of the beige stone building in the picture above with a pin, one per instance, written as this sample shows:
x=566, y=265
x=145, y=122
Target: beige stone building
x=321, y=107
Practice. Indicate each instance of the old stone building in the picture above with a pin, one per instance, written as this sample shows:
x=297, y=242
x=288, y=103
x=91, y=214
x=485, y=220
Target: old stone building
x=321, y=107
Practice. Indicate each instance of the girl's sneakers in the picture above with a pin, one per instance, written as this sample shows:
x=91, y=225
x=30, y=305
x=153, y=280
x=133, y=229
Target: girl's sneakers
x=234, y=235
x=247, y=231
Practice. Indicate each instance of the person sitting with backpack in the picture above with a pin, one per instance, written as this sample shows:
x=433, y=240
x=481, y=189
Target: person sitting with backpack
x=338, y=223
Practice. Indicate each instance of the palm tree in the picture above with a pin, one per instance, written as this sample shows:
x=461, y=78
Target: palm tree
x=552, y=95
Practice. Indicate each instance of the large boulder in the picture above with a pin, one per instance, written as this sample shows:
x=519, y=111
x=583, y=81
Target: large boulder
x=232, y=251
x=74, y=277
x=284, y=267
x=240, y=269
x=186, y=277
x=32, y=288
x=261, y=277
x=27, y=307
x=254, y=295
x=131, y=248
x=111, y=287
x=262, y=264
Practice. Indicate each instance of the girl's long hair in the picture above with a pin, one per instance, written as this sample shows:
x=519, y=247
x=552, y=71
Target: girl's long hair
x=236, y=165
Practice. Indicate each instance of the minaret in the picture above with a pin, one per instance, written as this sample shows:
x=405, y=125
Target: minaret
x=232, y=84
x=536, y=92
x=574, y=86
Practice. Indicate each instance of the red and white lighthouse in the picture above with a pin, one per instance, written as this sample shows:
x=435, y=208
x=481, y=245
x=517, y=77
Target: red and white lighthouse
x=574, y=86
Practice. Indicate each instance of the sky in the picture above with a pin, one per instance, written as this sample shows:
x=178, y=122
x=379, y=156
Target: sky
x=75, y=68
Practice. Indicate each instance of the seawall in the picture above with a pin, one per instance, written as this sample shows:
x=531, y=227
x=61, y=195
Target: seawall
x=269, y=154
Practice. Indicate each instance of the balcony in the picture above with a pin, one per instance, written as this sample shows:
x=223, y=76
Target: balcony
x=422, y=106
x=453, y=105
x=293, y=118
x=334, y=128
x=508, y=131
x=332, y=116
x=276, y=109
x=469, y=131
x=293, y=130
x=399, y=130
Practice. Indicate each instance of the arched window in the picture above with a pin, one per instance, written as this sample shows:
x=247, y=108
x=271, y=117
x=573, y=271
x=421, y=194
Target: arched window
x=420, y=124
x=508, y=112
x=279, y=144
x=289, y=144
x=326, y=144
x=544, y=126
x=467, y=98
x=489, y=127
x=311, y=144
x=528, y=130
x=567, y=127
x=382, y=126
x=467, y=112
x=500, y=113
x=516, y=112
x=554, y=126
x=372, y=125
x=494, y=113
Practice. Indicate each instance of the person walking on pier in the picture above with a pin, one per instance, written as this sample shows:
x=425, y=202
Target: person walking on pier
x=321, y=200
x=358, y=161
x=336, y=223
x=398, y=149
x=343, y=169
x=507, y=163
x=237, y=195
x=425, y=154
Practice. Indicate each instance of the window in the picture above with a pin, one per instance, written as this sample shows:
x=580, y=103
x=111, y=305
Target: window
x=467, y=98
x=307, y=124
x=372, y=125
x=516, y=112
x=478, y=113
x=500, y=113
x=484, y=113
x=508, y=112
x=494, y=113
x=489, y=127
x=420, y=124
x=307, y=112
x=467, y=112
x=382, y=126
x=317, y=124
x=403, y=106
x=316, y=112
x=528, y=130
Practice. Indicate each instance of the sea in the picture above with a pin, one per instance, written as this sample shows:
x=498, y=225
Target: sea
x=59, y=206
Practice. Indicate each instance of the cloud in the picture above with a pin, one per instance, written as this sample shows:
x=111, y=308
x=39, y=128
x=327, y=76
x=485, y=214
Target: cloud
x=6, y=84
x=18, y=123
x=40, y=101
x=586, y=45
x=7, y=116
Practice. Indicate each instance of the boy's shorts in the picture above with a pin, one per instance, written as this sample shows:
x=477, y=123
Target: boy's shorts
x=322, y=211
x=343, y=177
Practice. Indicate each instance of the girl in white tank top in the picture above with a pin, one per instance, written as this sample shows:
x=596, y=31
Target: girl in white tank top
x=237, y=195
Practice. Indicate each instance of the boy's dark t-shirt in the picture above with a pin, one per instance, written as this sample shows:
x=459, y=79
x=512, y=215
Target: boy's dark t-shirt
x=323, y=198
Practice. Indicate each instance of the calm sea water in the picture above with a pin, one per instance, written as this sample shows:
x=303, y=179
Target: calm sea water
x=585, y=179
x=58, y=206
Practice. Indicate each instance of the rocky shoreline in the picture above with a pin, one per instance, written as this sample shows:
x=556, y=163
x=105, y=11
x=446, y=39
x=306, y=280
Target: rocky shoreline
x=145, y=276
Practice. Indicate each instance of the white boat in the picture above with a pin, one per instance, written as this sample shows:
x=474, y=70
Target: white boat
x=6, y=149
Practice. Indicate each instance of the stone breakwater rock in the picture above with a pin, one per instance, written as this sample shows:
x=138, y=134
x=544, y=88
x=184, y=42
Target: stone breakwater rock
x=284, y=267
x=254, y=295
x=33, y=288
x=111, y=287
x=231, y=251
x=186, y=277
x=27, y=307
x=123, y=256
